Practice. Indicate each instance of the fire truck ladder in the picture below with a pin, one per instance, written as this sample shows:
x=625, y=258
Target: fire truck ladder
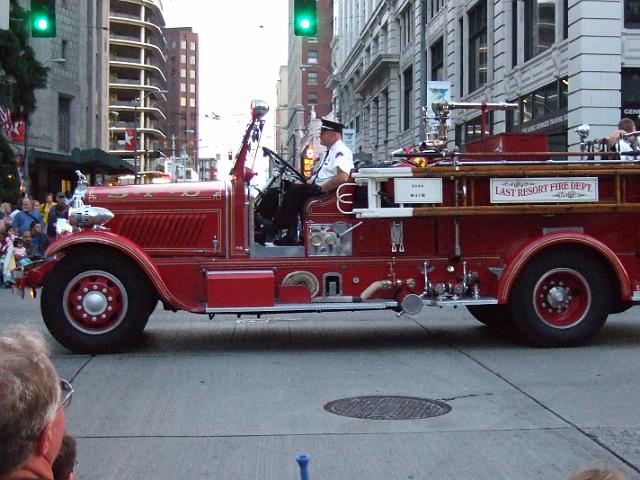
x=618, y=188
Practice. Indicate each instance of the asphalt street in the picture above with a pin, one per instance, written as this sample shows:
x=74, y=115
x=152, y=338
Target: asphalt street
x=240, y=398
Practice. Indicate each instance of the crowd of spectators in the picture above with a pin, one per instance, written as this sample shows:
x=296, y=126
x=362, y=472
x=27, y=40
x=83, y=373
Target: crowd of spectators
x=27, y=230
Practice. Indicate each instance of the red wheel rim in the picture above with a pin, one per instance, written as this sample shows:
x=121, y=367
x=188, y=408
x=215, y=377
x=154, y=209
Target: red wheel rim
x=562, y=298
x=95, y=302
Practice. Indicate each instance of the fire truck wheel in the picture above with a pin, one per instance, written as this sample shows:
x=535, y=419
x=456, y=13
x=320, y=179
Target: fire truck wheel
x=561, y=298
x=96, y=304
x=493, y=316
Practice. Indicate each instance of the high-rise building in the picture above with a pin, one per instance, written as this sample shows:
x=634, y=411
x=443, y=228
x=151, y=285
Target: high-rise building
x=182, y=73
x=137, y=81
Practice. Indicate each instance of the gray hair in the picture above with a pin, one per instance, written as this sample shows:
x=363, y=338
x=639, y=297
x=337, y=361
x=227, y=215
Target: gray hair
x=29, y=395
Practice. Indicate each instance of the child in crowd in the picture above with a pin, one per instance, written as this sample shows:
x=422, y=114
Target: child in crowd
x=20, y=252
x=39, y=242
x=8, y=240
x=65, y=462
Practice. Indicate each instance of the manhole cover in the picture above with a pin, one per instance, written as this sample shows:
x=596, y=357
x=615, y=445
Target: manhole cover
x=385, y=407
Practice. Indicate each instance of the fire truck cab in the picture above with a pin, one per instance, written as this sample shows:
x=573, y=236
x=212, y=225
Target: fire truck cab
x=544, y=244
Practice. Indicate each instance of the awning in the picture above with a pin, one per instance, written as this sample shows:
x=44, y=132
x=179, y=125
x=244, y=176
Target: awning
x=80, y=159
x=97, y=158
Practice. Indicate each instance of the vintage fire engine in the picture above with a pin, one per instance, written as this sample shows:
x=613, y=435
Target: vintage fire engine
x=544, y=246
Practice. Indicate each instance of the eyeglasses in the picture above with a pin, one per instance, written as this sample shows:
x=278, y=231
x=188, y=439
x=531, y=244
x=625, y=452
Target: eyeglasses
x=66, y=393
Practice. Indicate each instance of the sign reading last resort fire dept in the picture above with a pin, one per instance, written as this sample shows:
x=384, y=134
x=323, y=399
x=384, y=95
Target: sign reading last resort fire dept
x=544, y=190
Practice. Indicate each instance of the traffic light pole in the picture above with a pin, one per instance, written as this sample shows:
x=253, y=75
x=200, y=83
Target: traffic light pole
x=25, y=157
x=135, y=141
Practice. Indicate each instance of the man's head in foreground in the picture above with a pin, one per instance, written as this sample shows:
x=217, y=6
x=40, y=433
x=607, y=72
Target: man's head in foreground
x=31, y=405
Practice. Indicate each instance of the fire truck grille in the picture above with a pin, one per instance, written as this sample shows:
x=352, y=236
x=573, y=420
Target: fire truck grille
x=157, y=230
x=385, y=407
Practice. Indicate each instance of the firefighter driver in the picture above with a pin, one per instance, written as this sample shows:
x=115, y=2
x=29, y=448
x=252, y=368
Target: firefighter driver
x=331, y=171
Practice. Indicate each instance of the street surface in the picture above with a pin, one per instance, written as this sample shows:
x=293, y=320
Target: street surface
x=240, y=398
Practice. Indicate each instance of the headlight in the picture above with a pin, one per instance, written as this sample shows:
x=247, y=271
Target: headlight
x=88, y=216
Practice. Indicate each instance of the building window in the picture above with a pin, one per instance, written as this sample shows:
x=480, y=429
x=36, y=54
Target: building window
x=192, y=74
x=192, y=87
x=435, y=6
x=385, y=114
x=471, y=130
x=631, y=13
x=183, y=59
x=64, y=124
x=183, y=73
x=192, y=59
x=478, y=46
x=407, y=80
x=183, y=102
x=312, y=39
x=312, y=98
x=192, y=102
x=183, y=44
x=565, y=19
x=183, y=87
x=461, y=57
x=192, y=46
x=514, y=33
x=407, y=25
x=312, y=78
x=539, y=26
x=63, y=48
x=375, y=122
x=173, y=44
x=312, y=56
x=543, y=103
x=437, y=60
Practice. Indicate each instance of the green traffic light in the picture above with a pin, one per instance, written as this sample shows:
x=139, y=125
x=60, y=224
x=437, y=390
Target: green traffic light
x=41, y=23
x=305, y=18
x=43, y=18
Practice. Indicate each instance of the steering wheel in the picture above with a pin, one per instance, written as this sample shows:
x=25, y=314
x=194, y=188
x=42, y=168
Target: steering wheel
x=284, y=166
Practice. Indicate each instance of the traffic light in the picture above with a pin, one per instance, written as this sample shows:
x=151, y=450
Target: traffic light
x=305, y=18
x=43, y=18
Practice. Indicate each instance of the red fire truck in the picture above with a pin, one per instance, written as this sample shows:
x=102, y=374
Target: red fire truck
x=544, y=244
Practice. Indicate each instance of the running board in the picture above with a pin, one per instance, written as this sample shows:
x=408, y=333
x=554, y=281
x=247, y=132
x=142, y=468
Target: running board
x=308, y=307
x=316, y=307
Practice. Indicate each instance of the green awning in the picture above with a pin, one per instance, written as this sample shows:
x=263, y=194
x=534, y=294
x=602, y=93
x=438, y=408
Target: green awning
x=80, y=159
x=95, y=157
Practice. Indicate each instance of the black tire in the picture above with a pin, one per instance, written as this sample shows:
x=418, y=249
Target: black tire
x=561, y=298
x=96, y=303
x=493, y=316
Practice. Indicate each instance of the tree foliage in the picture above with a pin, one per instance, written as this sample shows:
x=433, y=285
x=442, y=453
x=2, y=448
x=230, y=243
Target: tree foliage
x=20, y=75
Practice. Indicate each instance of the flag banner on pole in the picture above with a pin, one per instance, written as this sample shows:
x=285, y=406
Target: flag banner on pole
x=130, y=139
x=14, y=128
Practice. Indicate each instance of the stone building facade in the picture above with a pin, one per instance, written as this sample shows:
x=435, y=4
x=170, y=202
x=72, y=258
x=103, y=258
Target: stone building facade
x=68, y=119
x=565, y=62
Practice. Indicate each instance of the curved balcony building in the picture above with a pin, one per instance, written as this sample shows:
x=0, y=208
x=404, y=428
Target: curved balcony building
x=137, y=80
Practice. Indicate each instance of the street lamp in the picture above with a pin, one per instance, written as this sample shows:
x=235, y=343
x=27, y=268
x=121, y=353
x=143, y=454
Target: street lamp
x=306, y=66
x=25, y=169
x=139, y=102
x=60, y=61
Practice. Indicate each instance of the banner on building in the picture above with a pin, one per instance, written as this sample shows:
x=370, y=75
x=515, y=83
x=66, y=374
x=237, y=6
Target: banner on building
x=349, y=138
x=130, y=139
x=15, y=128
x=437, y=92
